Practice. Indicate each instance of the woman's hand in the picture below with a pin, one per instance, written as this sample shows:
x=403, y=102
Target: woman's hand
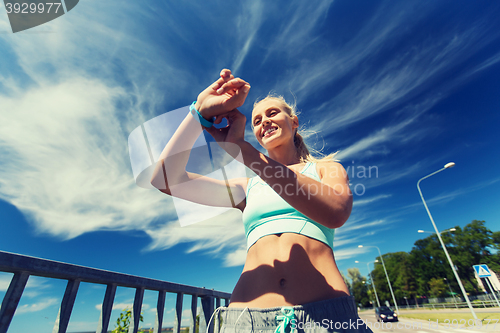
x=233, y=133
x=223, y=96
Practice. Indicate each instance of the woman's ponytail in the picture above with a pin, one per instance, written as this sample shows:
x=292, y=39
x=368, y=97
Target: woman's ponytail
x=302, y=150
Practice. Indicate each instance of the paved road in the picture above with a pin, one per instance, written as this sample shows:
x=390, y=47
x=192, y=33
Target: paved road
x=421, y=326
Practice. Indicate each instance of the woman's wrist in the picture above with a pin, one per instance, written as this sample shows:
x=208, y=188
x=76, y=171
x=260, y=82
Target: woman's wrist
x=199, y=117
x=199, y=107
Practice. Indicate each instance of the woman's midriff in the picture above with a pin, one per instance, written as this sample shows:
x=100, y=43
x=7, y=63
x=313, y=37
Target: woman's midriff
x=287, y=269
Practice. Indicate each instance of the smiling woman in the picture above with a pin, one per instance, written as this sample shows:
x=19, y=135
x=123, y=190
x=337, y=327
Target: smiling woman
x=290, y=210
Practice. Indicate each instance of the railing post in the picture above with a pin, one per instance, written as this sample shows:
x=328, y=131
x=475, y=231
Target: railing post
x=11, y=299
x=136, y=311
x=107, y=307
x=194, y=308
x=178, y=313
x=160, y=308
x=62, y=321
x=216, y=319
x=207, y=303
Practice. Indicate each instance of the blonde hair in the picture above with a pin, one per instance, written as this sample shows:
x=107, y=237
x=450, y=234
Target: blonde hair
x=301, y=147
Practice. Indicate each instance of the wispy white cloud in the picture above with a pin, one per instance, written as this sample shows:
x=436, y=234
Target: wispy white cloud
x=63, y=136
x=35, y=307
x=247, y=25
x=236, y=257
x=297, y=29
x=449, y=196
x=123, y=306
x=205, y=235
x=357, y=226
x=371, y=199
x=34, y=287
x=491, y=61
x=346, y=254
x=67, y=165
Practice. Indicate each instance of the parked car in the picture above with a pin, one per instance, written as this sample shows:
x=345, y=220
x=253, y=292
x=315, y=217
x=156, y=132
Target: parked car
x=385, y=313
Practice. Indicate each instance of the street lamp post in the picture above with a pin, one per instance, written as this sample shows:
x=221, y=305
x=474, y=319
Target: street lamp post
x=407, y=305
x=373, y=282
x=448, y=165
x=386, y=275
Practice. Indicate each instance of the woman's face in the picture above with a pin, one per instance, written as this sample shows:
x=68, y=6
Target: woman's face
x=272, y=126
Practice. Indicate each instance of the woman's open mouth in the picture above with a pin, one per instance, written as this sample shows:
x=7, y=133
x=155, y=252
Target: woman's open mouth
x=270, y=131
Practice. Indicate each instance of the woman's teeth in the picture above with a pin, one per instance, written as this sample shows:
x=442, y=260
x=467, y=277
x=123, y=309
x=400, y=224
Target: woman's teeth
x=269, y=131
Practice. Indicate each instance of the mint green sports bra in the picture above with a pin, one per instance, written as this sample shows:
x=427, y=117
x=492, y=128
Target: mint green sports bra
x=266, y=213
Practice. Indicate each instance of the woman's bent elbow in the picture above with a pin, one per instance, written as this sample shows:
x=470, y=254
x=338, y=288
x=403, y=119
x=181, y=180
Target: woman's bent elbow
x=162, y=186
x=340, y=217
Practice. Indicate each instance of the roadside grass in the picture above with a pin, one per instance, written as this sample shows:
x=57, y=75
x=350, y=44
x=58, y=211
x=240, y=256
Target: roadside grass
x=456, y=320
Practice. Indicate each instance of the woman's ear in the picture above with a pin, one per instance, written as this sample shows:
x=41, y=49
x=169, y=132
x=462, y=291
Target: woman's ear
x=295, y=122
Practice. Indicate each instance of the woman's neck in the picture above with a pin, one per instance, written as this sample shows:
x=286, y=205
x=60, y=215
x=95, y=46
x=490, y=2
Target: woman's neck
x=286, y=154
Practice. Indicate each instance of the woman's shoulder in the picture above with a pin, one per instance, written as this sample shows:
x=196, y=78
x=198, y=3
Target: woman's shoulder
x=331, y=169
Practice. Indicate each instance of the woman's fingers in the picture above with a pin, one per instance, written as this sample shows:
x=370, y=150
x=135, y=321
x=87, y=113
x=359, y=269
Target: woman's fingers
x=219, y=118
x=234, y=84
x=225, y=75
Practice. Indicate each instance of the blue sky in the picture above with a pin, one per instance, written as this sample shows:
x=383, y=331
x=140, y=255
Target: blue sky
x=401, y=86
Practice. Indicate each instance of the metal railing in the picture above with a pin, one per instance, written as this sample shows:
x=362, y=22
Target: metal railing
x=24, y=266
x=457, y=305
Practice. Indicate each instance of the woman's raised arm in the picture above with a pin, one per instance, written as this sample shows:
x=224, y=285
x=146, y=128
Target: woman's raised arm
x=170, y=175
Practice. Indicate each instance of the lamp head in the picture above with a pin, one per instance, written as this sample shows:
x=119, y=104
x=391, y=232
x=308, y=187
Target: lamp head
x=420, y=231
x=360, y=245
x=357, y=262
x=452, y=229
x=449, y=165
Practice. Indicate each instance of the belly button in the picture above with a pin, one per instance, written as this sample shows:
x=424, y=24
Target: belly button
x=282, y=282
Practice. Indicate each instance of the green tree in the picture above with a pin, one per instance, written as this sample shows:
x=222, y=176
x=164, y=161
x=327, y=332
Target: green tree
x=420, y=272
x=400, y=271
x=493, y=261
x=359, y=288
x=123, y=322
x=437, y=287
x=347, y=283
x=471, y=247
x=428, y=261
x=496, y=240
